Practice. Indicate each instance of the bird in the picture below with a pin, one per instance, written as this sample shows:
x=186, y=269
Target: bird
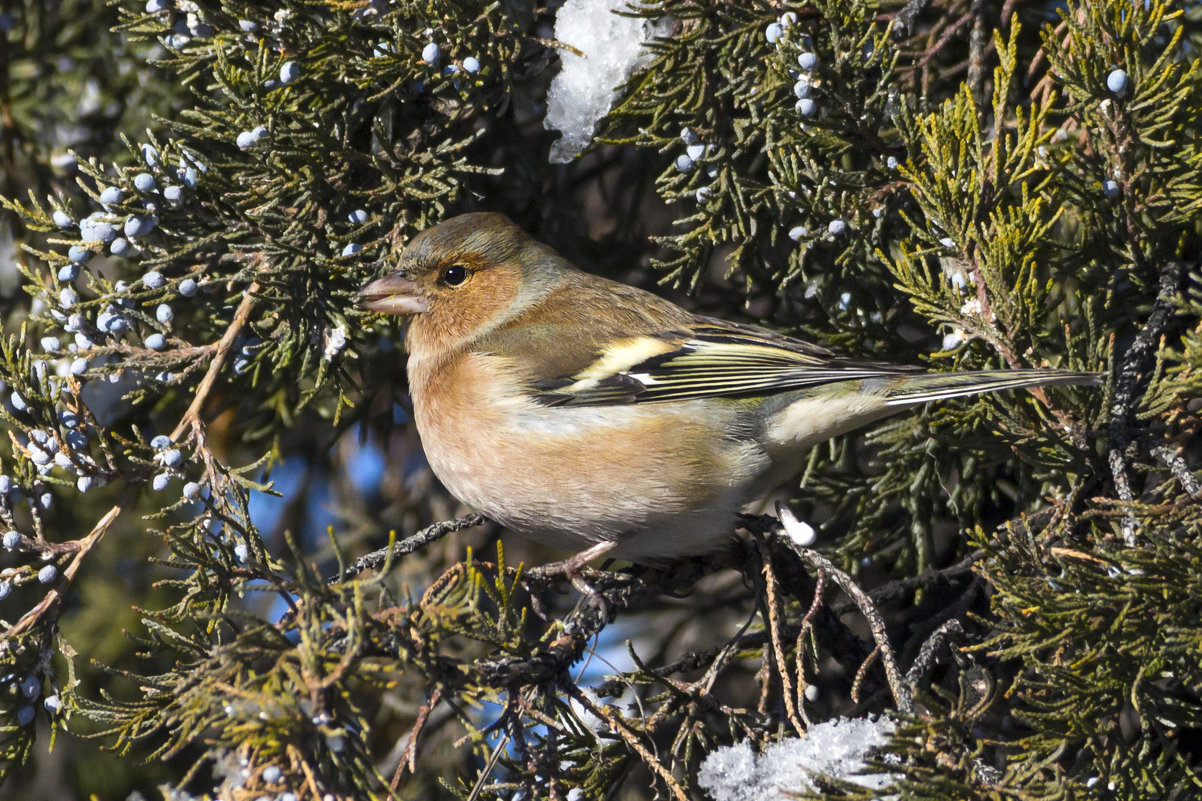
x=599, y=418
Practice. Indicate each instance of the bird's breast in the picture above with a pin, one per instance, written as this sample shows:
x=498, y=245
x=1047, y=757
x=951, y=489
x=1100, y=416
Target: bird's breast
x=664, y=478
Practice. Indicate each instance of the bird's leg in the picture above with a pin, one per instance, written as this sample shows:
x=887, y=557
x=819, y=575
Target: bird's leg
x=571, y=567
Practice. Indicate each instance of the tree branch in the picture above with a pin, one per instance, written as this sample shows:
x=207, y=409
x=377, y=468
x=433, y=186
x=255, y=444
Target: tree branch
x=1131, y=365
x=415, y=542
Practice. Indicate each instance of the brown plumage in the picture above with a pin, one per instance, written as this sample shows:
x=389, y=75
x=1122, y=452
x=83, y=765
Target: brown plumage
x=578, y=411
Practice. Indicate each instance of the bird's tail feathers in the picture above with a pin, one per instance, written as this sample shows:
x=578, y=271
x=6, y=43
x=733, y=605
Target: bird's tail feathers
x=940, y=386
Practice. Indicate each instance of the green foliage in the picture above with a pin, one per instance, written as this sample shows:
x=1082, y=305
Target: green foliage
x=186, y=605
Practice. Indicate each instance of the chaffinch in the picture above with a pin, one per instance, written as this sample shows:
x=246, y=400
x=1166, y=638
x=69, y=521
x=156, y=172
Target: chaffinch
x=590, y=415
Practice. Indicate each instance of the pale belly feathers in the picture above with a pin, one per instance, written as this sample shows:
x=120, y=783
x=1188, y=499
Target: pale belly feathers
x=648, y=476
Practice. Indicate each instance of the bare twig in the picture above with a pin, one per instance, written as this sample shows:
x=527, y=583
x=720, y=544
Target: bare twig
x=409, y=758
x=978, y=40
x=903, y=21
x=928, y=578
x=1122, y=485
x=945, y=37
x=1130, y=367
x=421, y=539
x=858, y=683
x=901, y=692
x=1173, y=461
x=222, y=349
x=86, y=544
x=619, y=727
x=950, y=632
x=807, y=623
x=778, y=649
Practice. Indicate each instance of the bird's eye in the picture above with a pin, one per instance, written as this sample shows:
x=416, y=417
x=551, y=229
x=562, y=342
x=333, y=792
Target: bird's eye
x=454, y=275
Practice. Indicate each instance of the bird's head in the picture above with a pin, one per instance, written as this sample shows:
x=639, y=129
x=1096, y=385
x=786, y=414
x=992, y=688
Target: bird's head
x=464, y=276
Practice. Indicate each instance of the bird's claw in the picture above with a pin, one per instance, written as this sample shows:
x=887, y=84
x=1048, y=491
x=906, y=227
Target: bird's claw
x=572, y=569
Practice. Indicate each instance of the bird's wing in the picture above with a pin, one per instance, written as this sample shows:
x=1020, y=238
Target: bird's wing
x=710, y=358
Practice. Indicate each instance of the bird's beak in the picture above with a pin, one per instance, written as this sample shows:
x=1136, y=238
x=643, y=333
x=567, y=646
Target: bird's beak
x=393, y=294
